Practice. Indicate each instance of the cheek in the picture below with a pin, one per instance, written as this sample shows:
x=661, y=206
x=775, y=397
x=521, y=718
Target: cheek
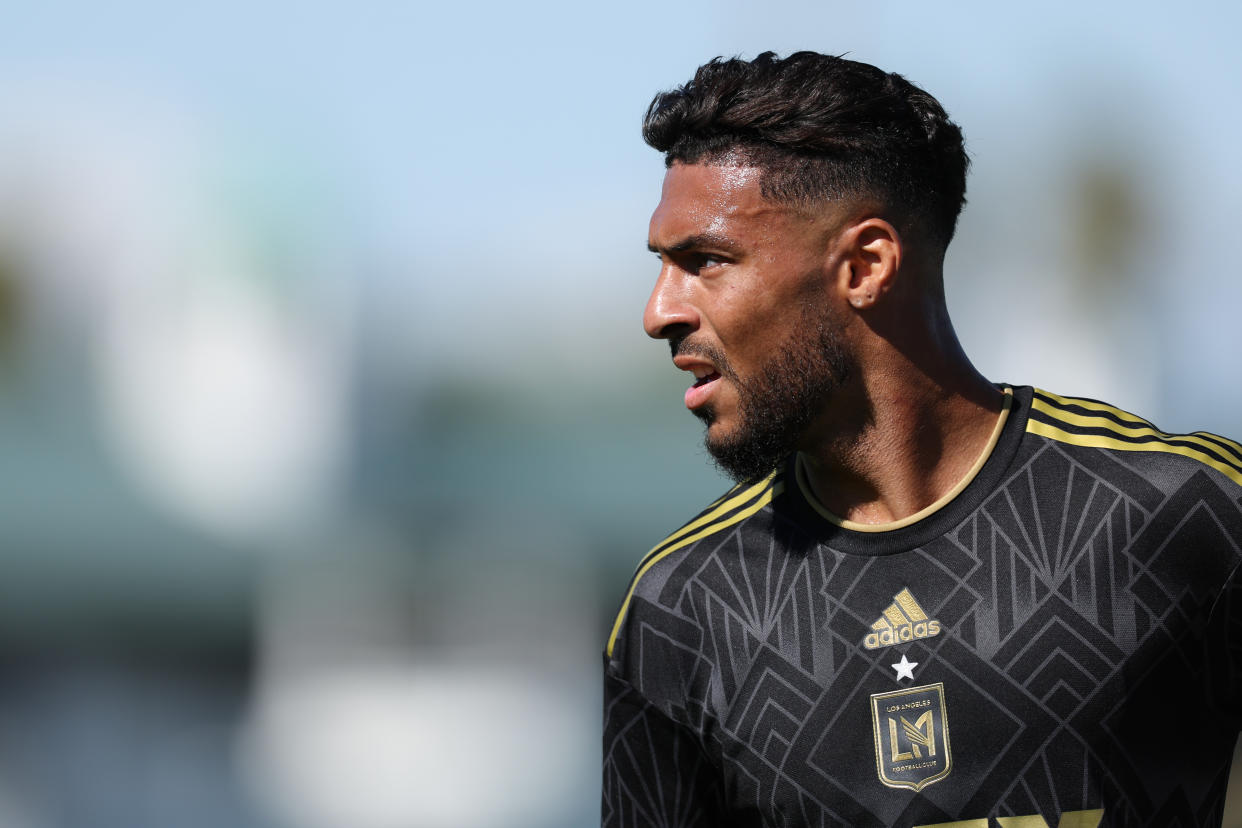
x=760, y=320
x=752, y=345
x=760, y=308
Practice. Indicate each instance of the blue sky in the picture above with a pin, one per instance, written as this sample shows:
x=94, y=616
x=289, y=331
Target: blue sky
x=480, y=164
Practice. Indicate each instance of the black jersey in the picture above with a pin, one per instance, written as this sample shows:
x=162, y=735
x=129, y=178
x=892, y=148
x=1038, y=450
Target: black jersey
x=1058, y=644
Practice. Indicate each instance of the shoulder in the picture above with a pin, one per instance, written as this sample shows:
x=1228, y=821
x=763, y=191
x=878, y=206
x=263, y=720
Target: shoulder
x=656, y=568
x=1085, y=424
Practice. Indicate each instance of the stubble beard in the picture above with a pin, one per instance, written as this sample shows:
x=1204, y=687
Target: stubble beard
x=778, y=403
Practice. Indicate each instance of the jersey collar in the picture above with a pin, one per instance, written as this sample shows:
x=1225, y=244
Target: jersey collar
x=932, y=521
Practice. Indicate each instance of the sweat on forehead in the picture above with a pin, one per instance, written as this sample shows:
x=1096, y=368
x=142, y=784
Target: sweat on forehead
x=739, y=169
x=798, y=180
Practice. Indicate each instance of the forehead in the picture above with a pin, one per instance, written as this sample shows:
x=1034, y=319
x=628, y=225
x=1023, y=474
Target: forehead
x=709, y=198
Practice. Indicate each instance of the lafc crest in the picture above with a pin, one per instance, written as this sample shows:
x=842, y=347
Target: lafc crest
x=911, y=736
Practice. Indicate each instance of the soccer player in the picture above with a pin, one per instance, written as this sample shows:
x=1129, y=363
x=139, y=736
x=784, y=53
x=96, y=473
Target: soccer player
x=931, y=599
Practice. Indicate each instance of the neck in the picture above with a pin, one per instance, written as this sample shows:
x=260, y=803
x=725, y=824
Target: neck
x=912, y=432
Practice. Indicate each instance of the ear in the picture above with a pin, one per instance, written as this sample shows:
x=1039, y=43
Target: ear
x=870, y=261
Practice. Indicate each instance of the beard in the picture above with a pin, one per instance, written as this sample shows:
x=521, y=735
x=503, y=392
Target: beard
x=778, y=403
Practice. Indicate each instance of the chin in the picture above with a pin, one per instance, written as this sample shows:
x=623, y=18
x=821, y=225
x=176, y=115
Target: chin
x=719, y=433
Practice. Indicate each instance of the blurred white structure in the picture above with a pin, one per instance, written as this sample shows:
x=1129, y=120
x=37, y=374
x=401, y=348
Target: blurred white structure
x=221, y=372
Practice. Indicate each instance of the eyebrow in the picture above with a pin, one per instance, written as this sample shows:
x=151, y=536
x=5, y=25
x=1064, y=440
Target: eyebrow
x=692, y=242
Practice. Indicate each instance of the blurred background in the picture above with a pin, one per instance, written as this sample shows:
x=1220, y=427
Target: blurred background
x=330, y=437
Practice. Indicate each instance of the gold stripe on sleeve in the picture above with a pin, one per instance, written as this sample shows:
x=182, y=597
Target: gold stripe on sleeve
x=771, y=490
x=1099, y=441
x=726, y=505
x=1135, y=430
x=1094, y=405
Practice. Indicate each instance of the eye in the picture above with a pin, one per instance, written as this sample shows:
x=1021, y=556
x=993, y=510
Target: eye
x=697, y=262
x=693, y=261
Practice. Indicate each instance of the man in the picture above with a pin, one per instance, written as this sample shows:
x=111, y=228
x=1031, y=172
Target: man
x=930, y=599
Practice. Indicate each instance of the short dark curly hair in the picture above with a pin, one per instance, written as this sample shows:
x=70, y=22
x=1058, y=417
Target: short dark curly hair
x=821, y=127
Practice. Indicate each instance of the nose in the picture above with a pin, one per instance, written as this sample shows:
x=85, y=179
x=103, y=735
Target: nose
x=669, y=313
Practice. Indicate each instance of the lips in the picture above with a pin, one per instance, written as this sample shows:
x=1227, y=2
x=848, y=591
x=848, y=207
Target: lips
x=698, y=394
x=705, y=377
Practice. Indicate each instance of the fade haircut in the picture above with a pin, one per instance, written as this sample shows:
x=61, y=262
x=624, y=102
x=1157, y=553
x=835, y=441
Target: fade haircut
x=820, y=128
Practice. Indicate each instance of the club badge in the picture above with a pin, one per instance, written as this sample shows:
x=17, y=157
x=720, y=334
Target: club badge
x=911, y=736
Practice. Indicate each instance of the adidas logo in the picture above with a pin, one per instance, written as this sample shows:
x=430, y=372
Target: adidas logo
x=904, y=620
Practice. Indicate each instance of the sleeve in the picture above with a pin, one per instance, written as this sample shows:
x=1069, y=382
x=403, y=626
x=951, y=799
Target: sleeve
x=655, y=769
x=1224, y=641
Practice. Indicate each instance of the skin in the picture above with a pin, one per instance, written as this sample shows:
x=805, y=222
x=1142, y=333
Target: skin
x=913, y=415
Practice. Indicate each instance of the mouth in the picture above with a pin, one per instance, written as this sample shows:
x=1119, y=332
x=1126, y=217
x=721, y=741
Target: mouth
x=703, y=375
x=705, y=378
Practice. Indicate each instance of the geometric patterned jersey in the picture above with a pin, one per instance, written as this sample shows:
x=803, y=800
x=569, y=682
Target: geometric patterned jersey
x=1059, y=644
